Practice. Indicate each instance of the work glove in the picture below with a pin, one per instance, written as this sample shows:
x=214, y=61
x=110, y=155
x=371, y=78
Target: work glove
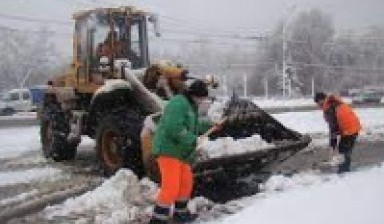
x=201, y=141
x=218, y=125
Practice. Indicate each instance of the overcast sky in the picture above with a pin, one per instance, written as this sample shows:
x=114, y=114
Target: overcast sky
x=257, y=15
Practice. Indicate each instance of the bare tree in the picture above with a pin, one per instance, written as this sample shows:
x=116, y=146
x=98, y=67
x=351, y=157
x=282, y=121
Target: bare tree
x=27, y=58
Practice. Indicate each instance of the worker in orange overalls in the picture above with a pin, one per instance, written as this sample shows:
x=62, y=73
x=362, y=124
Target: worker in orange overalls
x=174, y=145
x=343, y=122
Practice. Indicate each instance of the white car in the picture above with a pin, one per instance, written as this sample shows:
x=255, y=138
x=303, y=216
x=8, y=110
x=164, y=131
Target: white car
x=16, y=100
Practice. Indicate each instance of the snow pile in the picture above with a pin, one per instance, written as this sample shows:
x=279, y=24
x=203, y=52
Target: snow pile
x=354, y=198
x=27, y=176
x=120, y=199
x=228, y=146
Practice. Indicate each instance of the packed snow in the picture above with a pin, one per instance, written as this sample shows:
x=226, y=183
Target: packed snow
x=16, y=141
x=27, y=176
x=19, y=197
x=354, y=198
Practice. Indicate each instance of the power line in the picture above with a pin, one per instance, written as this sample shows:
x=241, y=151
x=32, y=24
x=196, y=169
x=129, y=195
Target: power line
x=299, y=64
x=68, y=23
x=195, y=32
x=203, y=41
x=36, y=20
x=4, y=28
x=228, y=36
x=200, y=24
x=346, y=67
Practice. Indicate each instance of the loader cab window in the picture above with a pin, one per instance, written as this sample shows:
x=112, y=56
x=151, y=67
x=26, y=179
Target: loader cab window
x=100, y=40
x=81, y=31
x=131, y=40
x=117, y=36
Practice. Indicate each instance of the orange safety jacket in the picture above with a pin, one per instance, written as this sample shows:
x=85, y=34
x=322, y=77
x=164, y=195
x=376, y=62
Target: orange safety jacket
x=341, y=118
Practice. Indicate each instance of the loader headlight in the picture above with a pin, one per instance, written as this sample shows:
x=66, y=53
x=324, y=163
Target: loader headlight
x=119, y=63
x=211, y=80
x=104, y=64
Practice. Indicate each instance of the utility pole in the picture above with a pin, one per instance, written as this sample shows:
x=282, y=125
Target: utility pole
x=285, y=53
x=313, y=86
x=284, y=61
x=266, y=87
x=25, y=78
x=245, y=84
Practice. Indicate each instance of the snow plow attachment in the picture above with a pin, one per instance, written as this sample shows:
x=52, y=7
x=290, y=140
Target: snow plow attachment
x=245, y=119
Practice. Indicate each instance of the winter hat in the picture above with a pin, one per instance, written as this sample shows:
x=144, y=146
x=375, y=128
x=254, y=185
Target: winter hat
x=196, y=87
x=319, y=96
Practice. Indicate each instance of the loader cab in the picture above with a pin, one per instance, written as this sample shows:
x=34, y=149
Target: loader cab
x=103, y=36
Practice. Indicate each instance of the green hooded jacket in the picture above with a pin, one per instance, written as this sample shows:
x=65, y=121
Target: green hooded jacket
x=178, y=129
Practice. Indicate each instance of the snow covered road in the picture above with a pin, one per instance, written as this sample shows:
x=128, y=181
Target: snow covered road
x=24, y=174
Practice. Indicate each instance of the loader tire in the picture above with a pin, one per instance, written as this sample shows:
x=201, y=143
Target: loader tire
x=118, y=142
x=54, y=129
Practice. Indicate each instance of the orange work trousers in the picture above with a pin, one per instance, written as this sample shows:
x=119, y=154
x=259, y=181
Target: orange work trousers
x=176, y=180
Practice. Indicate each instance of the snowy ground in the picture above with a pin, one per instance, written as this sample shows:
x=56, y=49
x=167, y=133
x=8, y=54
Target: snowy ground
x=16, y=141
x=20, y=115
x=312, y=122
x=307, y=195
x=275, y=102
x=317, y=199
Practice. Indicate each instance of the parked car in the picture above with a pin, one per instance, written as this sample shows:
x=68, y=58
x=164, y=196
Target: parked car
x=21, y=100
x=367, y=97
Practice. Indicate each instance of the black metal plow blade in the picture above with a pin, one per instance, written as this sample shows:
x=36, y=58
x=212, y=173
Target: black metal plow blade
x=245, y=119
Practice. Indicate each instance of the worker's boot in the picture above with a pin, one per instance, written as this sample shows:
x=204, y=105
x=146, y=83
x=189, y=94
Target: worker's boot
x=181, y=213
x=160, y=215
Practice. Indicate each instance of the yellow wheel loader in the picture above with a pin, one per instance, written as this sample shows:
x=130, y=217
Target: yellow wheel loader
x=111, y=87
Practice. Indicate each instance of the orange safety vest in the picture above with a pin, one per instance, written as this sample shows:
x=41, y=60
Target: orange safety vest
x=347, y=121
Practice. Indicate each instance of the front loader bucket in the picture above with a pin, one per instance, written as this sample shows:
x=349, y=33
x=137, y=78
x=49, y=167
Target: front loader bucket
x=244, y=119
x=246, y=163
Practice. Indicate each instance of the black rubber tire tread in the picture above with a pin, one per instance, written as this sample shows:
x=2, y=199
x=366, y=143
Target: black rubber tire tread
x=127, y=123
x=59, y=149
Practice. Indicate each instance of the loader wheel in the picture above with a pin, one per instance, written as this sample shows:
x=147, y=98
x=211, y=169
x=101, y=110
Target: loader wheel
x=54, y=129
x=118, y=142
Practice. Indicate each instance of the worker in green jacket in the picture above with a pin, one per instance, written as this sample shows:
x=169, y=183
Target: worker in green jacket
x=174, y=143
